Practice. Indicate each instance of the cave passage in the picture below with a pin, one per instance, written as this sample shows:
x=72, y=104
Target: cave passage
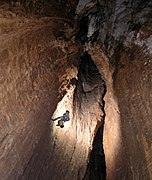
x=97, y=165
x=90, y=85
x=67, y=55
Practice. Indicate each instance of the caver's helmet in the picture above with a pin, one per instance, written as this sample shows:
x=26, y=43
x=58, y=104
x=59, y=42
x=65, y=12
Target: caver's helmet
x=67, y=111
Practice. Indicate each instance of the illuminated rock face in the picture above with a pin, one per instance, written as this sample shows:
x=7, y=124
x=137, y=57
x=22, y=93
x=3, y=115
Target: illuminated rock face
x=34, y=66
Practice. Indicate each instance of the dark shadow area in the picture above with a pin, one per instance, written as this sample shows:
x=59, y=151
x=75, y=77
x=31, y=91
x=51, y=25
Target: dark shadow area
x=96, y=169
x=83, y=30
x=88, y=71
x=88, y=79
x=89, y=82
x=97, y=166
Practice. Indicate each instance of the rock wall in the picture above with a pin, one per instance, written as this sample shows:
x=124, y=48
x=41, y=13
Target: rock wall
x=67, y=155
x=122, y=54
x=34, y=66
x=39, y=60
x=126, y=134
x=132, y=85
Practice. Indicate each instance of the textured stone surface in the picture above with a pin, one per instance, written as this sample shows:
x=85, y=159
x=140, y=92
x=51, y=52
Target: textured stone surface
x=124, y=58
x=67, y=154
x=38, y=59
x=34, y=65
x=127, y=129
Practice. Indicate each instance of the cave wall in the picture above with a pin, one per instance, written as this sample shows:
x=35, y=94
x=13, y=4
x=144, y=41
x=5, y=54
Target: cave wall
x=31, y=86
x=72, y=145
x=130, y=53
x=134, y=90
x=127, y=128
x=122, y=53
x=37, y=60
x=57, y=8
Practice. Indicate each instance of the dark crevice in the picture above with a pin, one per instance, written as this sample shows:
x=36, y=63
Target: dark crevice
x=89, y=23
x=96, y=169
x=89, y=80
x=83, y=29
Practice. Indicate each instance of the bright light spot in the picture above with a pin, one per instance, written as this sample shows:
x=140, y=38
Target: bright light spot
x=112, y=132
x=65, y=104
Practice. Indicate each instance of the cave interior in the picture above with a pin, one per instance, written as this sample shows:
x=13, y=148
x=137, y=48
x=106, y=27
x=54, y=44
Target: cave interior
x=92, y=58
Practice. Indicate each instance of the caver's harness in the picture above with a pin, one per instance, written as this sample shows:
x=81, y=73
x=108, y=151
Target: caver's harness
x=60, y=123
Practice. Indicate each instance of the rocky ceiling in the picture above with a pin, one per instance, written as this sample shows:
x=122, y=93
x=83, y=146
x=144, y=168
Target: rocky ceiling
x=91, y=57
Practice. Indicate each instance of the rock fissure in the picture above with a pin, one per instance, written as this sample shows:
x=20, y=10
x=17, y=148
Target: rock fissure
x=91, y=89
x=96, y=169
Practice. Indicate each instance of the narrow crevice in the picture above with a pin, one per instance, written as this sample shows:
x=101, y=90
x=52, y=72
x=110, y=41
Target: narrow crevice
x=88, y=80
x=83, y=30
x=91, y=88
x=97, y=166
x=96, y=169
